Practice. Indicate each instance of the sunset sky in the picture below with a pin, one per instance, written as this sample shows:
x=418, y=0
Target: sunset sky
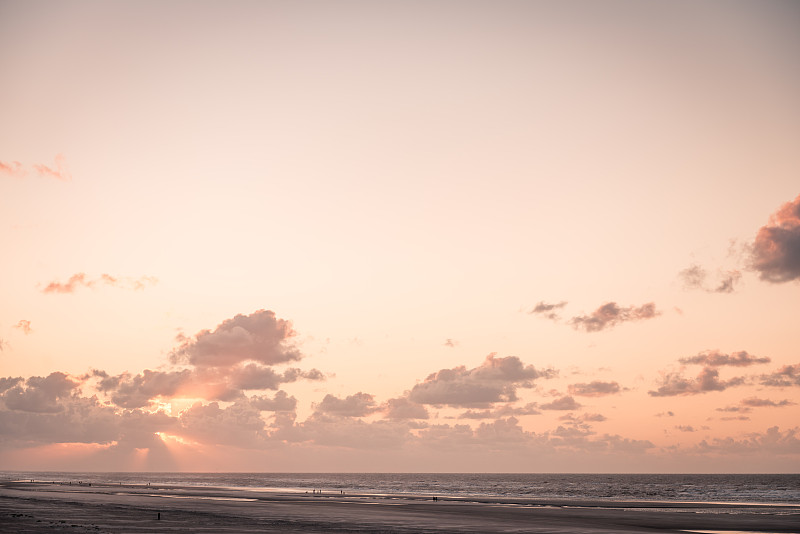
x=400, y=236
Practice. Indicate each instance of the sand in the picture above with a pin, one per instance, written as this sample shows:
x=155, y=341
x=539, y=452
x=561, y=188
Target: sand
x=58, y=507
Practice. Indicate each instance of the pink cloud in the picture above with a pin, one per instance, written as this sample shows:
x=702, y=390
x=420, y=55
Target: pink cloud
x=673, y=384
x=40, y=394
x=715, y=358
x=81, y=280
x=694, y=277
x=495, y=380
x=776, y=249
x=59, y=172
x=24, y=325
x=786, y=376
x=13, y=168
x=259, y=337
x=357, y=405
x=596, y=388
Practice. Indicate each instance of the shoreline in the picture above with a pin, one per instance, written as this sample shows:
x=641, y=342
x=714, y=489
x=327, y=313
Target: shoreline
x=101, y=507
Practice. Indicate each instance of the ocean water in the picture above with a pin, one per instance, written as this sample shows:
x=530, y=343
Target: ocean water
x=731, y=488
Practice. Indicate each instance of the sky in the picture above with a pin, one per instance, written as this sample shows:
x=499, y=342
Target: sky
x=400, y=236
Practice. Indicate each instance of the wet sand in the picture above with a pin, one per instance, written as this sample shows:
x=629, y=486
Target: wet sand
x=57, y=507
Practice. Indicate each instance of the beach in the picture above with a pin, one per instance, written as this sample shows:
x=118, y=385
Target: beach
x=137, y=508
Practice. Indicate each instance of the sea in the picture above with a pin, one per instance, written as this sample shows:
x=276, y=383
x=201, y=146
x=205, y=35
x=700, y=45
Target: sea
x=767, y=489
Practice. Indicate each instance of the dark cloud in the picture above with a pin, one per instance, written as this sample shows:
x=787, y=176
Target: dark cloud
x=81, y=280
x=563, y=403
x=596, y=388
x=9, y=382
x=735, y=409
x=610, y=314
x=402, y=408
x=547, y=310
x=24, y=325
x=786, y=376
x=727, y=282
x=694, y=277
x=755, y=402
x=40, y=394
x=259, y=337
x=357, y=405
x=776, y=249
x=496, y=380
x=673, y=384
x=714, y=358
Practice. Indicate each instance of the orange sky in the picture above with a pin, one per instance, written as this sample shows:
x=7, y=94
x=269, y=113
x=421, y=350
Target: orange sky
x=400, y=236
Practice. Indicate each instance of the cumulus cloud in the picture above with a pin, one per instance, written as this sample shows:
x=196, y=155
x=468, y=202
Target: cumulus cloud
x=24, y=325
x=258, y=337
x=9, y=382
x=281, y=402
x=495, y=380
x=594, y=417
x=40, y=394
x=222, y=364
x=611, y=314
x=673, y=384
x=695, y=277
x=548, y=310
x=78, y=280
x=596, y=388
x=76, y=420
x=776, y=249
x=786, y=376
x=714, y=358
x=772, y=441
x=224, y=384
x=357, y=405
x=136, y=391
x=563, y=403
x=402, y=408
x=335, y=431
x=239, y=424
